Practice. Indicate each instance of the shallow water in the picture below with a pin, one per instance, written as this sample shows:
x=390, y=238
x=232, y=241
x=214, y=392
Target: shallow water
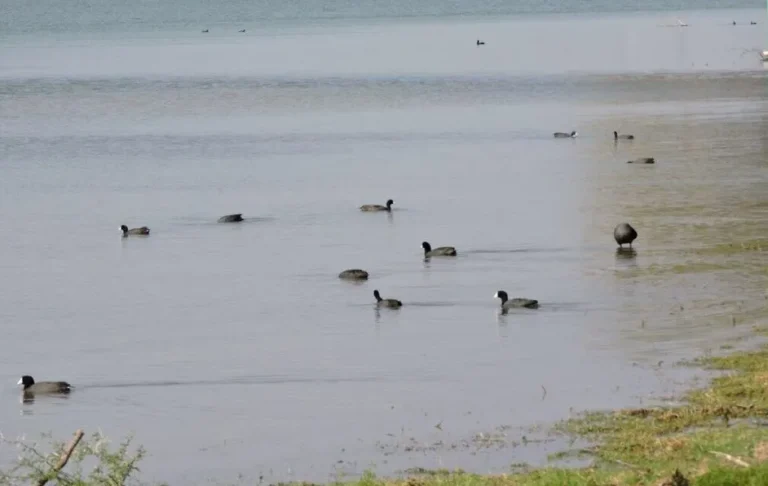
x=235, y=349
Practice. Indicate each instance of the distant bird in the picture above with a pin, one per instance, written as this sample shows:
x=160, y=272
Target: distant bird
x=231, y=218
x=734, y=22
x=616, y=136
x=642, y=160
x=143, y=231
x=681, y=23
x=241, y=31
x=441, y=251
x=516, y=303
x=354, y=274
x=764, y=55
x=573, y=134
x=44, y=387
x=753, y=23
x=378, y=207
x=624, y=234
x=204, y=31
x=391, y=303
x=480, y=43
x=677, y=479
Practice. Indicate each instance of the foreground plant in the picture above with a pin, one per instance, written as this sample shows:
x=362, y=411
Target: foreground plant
x=89, y=462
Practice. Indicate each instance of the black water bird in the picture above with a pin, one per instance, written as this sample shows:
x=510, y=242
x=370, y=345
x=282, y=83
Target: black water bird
x=143, y=231
x=440, y=251
x=516, y=303
x=44, y=387
x=391, y=303
x=378, y=207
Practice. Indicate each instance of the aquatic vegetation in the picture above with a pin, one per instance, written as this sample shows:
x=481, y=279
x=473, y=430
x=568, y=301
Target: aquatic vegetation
x=674, y=269
x=736, y=247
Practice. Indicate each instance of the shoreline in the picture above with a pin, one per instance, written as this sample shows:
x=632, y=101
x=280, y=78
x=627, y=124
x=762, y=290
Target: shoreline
x=714, y=435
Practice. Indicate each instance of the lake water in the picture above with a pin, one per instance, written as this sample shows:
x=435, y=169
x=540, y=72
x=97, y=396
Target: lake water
x=235, y=349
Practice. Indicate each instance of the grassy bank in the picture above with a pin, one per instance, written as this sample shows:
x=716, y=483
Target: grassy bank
x=718, y=437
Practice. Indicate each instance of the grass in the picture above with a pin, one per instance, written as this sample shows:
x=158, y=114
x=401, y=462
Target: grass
x=735, y=248
x=93, y=463
x=658, y=270
x=652, y=443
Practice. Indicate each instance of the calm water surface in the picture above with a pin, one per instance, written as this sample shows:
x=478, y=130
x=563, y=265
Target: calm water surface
x=234, y=349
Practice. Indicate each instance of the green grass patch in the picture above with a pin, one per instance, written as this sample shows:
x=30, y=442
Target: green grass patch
x=758, y=245
x=715, y=423
x=715, y=475
x=676, y=269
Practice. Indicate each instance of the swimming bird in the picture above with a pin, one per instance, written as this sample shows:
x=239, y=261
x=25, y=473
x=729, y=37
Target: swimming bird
x=354, y=274
x=204, y=31
x=624, y=234
x=378, y=207
x=44, y=387
x=616, y=136
x=241, y=31
x=143, y=231
x=516, y=303
x=573, y=134
x=392, y=303
x=642, y=160
x=231, y=218
x=441, y=251
x=480, y=43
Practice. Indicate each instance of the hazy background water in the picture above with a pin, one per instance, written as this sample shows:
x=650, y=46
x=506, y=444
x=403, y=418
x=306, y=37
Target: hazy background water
x=76, y=18
x=232, y=349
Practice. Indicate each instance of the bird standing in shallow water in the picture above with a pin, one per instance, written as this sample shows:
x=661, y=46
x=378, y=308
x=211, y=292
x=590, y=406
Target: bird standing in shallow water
x=616, y=136
x=624, y=234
